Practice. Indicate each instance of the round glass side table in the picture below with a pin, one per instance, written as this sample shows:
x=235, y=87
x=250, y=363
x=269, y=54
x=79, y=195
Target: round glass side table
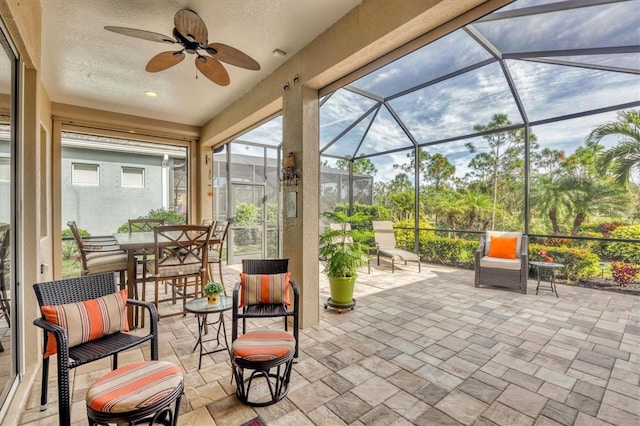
x=201, y=307
x=541, y=266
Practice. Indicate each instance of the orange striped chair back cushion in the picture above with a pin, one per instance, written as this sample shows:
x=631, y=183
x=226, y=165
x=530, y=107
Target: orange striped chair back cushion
x=264, y=288
x=263, y=345
x=87, y=320
x=134, y=386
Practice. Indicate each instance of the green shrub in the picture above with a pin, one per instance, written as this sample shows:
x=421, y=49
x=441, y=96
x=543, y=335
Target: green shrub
x=448, y=251
x=579, y=263
x=629, y=252
x=171, y=217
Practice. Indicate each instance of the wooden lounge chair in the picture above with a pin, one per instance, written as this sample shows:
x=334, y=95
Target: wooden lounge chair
x=386, y=245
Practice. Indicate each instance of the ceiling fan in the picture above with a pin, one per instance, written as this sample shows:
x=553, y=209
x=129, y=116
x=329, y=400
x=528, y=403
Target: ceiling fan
x=191, y=33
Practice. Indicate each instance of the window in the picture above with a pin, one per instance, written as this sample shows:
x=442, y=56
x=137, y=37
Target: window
x=85, y=174
x=5, y=169
x=132, y=177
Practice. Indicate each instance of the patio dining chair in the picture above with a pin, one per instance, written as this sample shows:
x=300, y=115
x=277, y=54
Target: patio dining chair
x=219, y=232
x=180, y=259
x=5, y=269
x=142, y=255
x=386, y=245
x=100, y=255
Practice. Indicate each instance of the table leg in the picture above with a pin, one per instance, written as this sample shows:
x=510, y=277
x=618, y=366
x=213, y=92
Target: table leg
x=553, y=282
x=538, y=286
x=132, y=313
x=202, y=322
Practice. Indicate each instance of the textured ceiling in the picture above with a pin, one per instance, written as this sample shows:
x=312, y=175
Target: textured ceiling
x=84, y=64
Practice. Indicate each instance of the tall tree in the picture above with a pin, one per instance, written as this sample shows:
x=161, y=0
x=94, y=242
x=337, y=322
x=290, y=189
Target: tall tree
x=505, y=147
x=435, y=169
x=624, y=158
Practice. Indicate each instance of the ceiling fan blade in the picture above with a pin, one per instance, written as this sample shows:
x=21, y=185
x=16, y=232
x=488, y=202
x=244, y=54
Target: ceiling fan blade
x=232, y=56
x=191, y=26
x=164, y=60
x=145, y=35
x=213, y=70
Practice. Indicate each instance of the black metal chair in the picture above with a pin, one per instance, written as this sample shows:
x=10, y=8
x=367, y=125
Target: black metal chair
x=263, y=310
x=73, y=290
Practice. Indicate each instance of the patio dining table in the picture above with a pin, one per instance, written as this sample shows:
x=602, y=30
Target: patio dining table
x=132, y=243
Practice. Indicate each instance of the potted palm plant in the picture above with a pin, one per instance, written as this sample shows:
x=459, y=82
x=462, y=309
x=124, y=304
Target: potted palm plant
x=344, y=251
x=212, y=290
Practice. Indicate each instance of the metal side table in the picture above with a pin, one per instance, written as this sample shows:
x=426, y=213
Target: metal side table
x=201, y=307
x=541, y=266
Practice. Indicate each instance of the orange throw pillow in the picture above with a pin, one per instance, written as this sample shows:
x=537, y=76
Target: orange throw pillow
x=504, y=247
x=88, y=320
x=264, y=288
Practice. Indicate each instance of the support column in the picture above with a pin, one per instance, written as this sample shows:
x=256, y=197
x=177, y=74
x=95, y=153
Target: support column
x=301, y=228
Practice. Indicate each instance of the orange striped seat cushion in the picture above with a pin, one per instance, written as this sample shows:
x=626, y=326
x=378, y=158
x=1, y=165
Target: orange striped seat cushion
x=264, y=288
x=133, y=387
x=87, y=320
x=263, y=345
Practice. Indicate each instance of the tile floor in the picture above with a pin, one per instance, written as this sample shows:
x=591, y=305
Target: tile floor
x=424, y=349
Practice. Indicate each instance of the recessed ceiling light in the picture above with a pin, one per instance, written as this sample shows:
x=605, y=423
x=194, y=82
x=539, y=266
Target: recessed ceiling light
x=280, y=53
x=151, y=94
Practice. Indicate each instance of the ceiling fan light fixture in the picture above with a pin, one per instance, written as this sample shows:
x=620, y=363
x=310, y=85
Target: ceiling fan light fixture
x=190, y=32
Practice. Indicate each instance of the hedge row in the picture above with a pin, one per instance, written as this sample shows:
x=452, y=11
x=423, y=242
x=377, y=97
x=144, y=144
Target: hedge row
x=579, y=263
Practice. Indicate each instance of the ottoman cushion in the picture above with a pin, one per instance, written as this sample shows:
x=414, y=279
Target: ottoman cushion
x=263, y=345
x=133, y=387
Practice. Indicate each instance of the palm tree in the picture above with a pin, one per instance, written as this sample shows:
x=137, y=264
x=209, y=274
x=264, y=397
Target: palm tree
x=550, y=195
x=475, y=203
x=623, y=158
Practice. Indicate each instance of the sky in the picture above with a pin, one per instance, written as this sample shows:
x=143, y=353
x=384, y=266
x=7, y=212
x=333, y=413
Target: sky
x=460, y=85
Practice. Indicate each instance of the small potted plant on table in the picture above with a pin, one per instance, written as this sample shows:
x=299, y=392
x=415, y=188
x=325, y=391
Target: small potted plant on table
x=212, y=290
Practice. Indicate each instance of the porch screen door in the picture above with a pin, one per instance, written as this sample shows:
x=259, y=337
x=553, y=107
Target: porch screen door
x=247, y=235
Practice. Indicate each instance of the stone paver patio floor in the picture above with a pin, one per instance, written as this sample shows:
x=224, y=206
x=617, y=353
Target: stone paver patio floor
x=424, y=349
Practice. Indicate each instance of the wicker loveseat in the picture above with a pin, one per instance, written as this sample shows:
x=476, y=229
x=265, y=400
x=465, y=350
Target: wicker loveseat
x=498, y=271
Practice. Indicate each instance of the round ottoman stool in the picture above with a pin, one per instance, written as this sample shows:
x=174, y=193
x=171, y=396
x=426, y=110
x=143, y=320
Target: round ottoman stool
x=269, y=355
x=140, y=391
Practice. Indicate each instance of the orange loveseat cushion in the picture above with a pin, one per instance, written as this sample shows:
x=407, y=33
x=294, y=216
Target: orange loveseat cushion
x=503, y=247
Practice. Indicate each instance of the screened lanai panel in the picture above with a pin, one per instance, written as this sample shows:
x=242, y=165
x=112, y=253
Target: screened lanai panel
x=348, y=144
x=549, y=90
x=384, y=135
x=444, y=56
x=341, y=110
x=269, y=133
x=607, y=25
x=451, y=108
x=627, y=61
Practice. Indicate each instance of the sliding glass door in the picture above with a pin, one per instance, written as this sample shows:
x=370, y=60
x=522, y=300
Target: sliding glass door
x=8, y=183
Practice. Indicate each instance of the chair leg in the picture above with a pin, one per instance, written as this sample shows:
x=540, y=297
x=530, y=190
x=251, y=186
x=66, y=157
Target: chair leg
x=45, y=384
x=64, y=410
x=220, y=269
